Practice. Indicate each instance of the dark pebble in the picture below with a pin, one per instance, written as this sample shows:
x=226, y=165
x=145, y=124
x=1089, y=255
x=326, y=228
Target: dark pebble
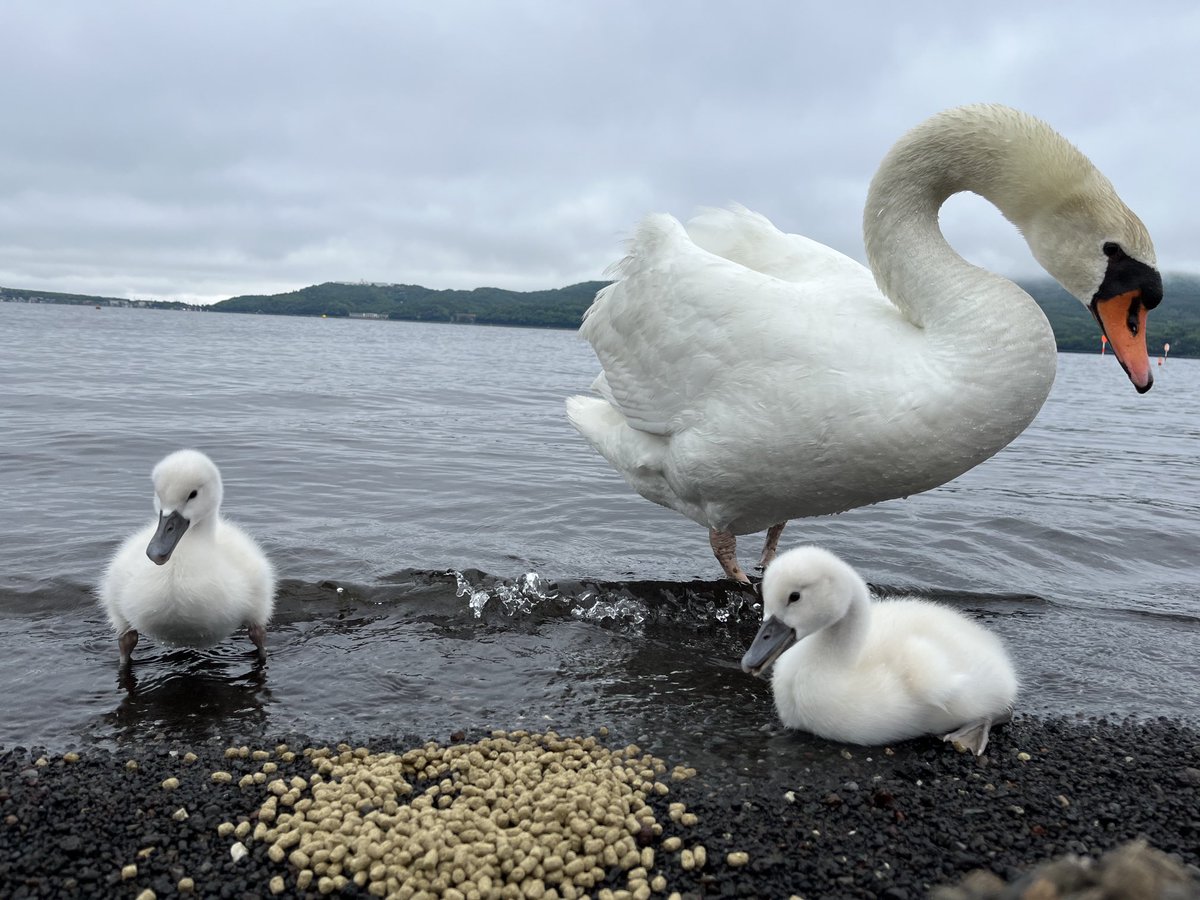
x=901, y=831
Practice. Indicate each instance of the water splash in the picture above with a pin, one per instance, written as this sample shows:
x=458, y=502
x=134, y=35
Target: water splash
x=517, y=598
x=625, y=610
x=531, y=592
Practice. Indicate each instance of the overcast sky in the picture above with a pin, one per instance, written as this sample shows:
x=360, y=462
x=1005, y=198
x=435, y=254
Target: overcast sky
x=196, y=151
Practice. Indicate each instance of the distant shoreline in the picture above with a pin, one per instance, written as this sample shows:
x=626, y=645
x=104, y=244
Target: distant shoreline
x=1176, y=322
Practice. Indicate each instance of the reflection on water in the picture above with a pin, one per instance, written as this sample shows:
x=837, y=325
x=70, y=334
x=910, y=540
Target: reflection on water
x=186, y=693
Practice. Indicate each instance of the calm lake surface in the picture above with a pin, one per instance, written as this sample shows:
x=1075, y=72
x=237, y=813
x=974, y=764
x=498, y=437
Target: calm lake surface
x=453, y=555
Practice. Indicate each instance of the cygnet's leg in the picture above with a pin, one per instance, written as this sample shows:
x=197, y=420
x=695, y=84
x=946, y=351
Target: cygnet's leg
x=258, y=634
x=724, y=545
x=125, y=643
x=770, y=545
x=974, y=735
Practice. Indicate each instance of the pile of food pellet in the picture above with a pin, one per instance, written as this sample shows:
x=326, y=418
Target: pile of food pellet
x=514, y=815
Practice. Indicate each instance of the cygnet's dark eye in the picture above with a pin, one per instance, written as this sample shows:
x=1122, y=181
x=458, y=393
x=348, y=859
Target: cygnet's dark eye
x=793, y=596
x=1111, y=248
x=192, y=495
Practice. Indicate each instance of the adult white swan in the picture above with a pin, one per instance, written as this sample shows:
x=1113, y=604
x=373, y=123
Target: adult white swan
x=751, y=376
x=192, y=578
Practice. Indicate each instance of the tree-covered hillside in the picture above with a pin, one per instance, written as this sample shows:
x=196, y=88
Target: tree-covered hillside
x=1176, y=321
x=558, y=308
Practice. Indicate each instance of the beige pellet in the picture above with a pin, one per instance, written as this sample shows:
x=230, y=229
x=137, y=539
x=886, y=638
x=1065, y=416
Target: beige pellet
x=180, y=815
x=225, y=829
x=737, y=858
x=672, y=844
x=276, y=885
x=147, y=894
x=128, y=872
x=186, y=885
x=221, y=777
x=170, y=784
x=557, y=811
x=190, y=757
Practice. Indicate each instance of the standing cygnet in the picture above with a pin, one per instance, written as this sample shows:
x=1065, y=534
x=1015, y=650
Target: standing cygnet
x=192, y=578
x=873, y=672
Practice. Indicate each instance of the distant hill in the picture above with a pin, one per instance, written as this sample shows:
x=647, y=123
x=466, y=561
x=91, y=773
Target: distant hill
x=1176, y=321
x=24, y=295
x=556, y=308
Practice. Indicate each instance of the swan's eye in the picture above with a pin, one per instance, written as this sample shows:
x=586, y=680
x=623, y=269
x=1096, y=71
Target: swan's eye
x=793, y=596
x=1111, y=249
x=192, y=495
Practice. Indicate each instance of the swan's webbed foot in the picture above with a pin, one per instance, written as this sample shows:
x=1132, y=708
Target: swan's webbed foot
x=974, y=735
x=770, y=545
x=125, y=643
x=724, y=546
x=258, y=634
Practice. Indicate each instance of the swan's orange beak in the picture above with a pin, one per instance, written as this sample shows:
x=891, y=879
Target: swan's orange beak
x=1123, y=320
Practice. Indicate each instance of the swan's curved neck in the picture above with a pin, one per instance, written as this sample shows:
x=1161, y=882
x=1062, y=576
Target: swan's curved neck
x=845, y=637
x=1016, y=162
x=206, y=526
x=988, y=341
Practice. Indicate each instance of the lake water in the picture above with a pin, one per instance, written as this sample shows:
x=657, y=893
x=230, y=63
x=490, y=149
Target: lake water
x=453, y=555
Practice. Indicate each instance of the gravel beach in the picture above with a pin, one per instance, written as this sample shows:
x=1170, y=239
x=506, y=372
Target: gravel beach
x=899, y=822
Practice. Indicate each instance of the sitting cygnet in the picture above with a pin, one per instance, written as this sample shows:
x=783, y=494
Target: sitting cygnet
x=851, y=669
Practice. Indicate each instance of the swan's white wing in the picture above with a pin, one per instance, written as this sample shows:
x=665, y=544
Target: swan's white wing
x=750, y=239
x=681, y=318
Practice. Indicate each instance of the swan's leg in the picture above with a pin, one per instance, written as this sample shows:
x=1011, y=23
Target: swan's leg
x=771, y=545
x=258, y=634
x=125, y=643
x=724, y=545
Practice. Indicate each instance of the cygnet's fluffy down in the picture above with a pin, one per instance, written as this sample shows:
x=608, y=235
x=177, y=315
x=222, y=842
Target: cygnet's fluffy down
x=871, y=672
x=192, y=578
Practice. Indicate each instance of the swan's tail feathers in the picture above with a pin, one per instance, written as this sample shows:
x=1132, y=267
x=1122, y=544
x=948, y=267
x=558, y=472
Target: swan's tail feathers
x=634, y=453
x=597, y=420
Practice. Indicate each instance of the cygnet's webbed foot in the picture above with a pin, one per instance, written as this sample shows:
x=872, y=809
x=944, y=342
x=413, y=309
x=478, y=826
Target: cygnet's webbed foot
x=258, y=634
x=770, y=545
x=974, y=735
x=125, y=644
x=724, y=546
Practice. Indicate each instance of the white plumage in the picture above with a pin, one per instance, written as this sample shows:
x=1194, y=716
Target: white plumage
x=750, y=376
x=851, y=669
x=191, y=578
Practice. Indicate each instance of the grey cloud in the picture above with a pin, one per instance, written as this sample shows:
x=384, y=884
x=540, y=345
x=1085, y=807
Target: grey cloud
x=200, y=151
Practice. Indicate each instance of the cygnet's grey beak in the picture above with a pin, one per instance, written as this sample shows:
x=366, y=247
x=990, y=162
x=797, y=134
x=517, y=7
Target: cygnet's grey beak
x=170, y=530
x=772, y=639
